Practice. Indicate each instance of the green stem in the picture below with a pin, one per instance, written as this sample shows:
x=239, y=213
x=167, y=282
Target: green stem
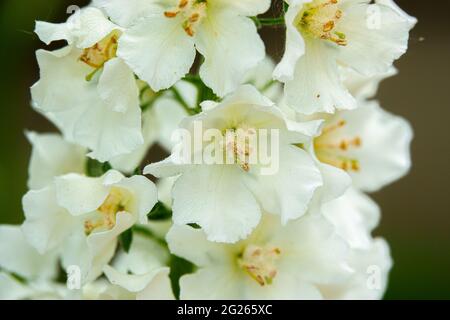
x=182, y=102
x=268, y=22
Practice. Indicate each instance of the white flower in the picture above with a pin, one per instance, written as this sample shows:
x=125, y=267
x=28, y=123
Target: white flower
x=355, y=216
x=143, y=271
x=85, y=216
x=325, y=34
x=160, y=120
x=370, y=144
x=85, y=89
x=52, y=156
x=161, y=46
x=19, y=261
x=275, y=262
x=226, y=200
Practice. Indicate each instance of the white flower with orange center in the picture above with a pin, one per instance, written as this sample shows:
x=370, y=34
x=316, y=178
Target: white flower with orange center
x=323, y=35
x=85, y=89
x=161, y=37
x=83, y=217
x=249, y=164
x=275, y=262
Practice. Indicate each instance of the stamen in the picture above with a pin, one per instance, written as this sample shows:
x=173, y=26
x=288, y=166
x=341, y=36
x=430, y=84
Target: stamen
x=238, y=143
x=332, y=150
x=116, y=202
x=260, y=263
x=320, y=20
x=100, y=53
x=193, y=12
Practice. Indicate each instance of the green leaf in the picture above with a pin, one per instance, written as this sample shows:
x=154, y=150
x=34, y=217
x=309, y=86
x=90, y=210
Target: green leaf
x=178, y=268
x=194, y=225
x=126, y=239
x=160, y=212
x=96, y=168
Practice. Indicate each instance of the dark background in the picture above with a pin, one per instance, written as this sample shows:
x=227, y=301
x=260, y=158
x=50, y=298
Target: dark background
x=416, y=215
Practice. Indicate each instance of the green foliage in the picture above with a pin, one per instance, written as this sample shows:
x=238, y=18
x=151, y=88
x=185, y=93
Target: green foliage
x=96, y=168
x=160, y=212
x=126, y=239
x=178, y=268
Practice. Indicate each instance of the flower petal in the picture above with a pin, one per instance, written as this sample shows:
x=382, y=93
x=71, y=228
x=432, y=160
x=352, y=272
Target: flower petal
x=117, y=86
x=384, y=155
x=18, y=257
x=46, y=225
x=248, y=8
x=316, y=86
x=290, y=189
x=125, y=14
x=191, y=244
x=222, y=205
x=52, y=156
x=372, y=49
x=231, y=46
x=158, y=50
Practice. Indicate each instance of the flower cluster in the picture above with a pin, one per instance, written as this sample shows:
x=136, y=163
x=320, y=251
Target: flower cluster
x=263, y=192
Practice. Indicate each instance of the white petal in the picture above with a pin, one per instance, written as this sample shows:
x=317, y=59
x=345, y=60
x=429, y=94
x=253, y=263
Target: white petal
x=150, y=130
x=191, y=244
x=166, y=168
x=47, y=225
x=261, y=77
x=317, y=254
x=158, y=50
x=231, y=46
x=363, y=87
x=102, y=245
x=125, y=14
x=169, y=114
x=373, y=49
x=145, y=195
x=19, y=257
x=295, y=46
x=136, y=283
x=335, y=182
x=354, y=216
x=79, y=194
x=221, y=204
x=370, y=280
x=160, y=288
x=243, y=7
x=49, y=32
x=12, y=289
x=90, y=26
x=52, y=156
x=145, y=255
x=288, y=191
x=283, y=287
x=316, y=86
x=117, y=86
x=384, y=155
x=81, y=115
x=214, y=283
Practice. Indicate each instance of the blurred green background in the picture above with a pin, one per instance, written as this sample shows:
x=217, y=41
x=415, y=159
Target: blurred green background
x=416, y=214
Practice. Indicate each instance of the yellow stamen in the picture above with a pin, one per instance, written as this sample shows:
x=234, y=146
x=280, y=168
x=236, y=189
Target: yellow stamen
x=260, y=263
x=320, y=19
x=192, y=11
x=332, y=150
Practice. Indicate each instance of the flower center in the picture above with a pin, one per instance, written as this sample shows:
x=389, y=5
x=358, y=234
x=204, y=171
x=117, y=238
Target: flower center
x=332, y=150
x=319, y=19
x=105, y=216
x=100, y=53
x=239, y=145
x=192, y=11
x=260, y=263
